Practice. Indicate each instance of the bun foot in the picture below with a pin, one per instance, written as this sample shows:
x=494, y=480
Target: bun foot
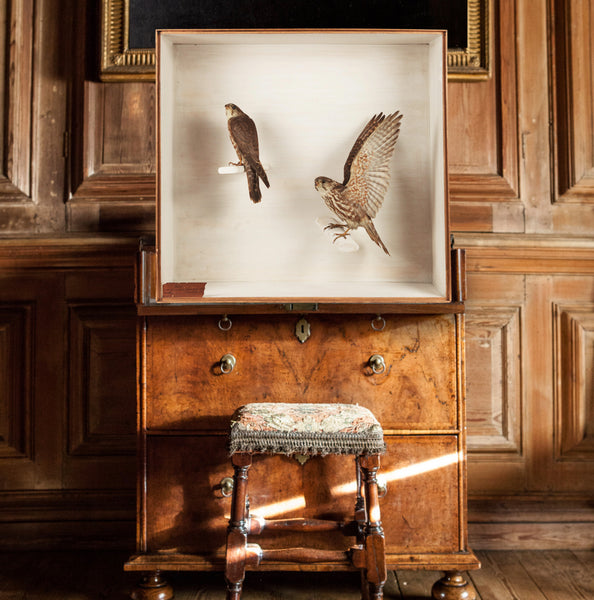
x=152, y=587
x=452, y=586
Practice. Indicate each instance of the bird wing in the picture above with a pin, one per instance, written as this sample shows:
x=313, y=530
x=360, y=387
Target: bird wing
x=368, y=163
x=243, y=130
x=367, y=131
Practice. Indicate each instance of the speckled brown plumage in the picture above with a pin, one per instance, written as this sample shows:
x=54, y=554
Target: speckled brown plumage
x=357, y=200
x=244, y=137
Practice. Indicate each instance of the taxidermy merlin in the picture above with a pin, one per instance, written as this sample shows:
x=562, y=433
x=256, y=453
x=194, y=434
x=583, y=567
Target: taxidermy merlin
x=244, y=138
x=359, y=197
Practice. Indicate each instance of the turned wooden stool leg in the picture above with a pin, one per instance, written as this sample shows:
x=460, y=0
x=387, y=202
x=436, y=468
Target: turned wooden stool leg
x=152, y=587
x=360, y=515
x=376, y=573
x=235, y=557
x=452, y=586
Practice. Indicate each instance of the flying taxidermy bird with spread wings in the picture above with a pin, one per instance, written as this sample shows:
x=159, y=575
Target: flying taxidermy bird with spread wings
x=244, y=137
x=357, y=200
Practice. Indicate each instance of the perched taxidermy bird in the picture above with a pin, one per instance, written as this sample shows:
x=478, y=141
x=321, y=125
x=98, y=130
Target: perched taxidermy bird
x=244, y=137
x=357, y=200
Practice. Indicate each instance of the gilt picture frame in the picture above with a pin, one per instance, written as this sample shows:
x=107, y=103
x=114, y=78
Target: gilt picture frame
x=310, y=94
x=123, y=59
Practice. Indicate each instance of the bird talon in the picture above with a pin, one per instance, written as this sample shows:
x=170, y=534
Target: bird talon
x=340, y=235
x=235, y=164
x=335, y=226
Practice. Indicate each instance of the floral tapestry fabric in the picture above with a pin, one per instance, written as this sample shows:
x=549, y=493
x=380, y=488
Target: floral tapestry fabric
x=305, y=429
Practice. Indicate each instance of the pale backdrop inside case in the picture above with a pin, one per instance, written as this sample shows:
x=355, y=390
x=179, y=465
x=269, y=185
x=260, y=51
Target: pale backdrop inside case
x=310, y=95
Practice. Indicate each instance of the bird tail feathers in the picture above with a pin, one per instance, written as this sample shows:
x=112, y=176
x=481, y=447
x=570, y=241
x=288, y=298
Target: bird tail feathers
x=253, y=185
x=374, y=235
x=262, y=174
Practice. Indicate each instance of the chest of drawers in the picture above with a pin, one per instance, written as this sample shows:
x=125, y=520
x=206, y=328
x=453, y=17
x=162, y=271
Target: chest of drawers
x=187, y=396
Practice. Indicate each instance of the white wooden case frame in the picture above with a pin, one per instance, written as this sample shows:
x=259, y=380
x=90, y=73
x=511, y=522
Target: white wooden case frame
x=310, y=93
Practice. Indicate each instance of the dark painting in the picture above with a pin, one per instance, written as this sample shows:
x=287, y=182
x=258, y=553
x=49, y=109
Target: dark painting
x=148, y=15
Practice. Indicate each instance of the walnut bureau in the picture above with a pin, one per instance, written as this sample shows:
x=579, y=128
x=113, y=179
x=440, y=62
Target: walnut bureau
x=187, y=393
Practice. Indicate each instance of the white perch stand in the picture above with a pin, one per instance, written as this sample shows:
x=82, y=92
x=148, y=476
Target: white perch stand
x=233, y=169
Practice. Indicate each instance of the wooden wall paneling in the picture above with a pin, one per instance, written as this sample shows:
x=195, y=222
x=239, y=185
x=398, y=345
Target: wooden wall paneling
x=574, y=376
x=101, y=355
x=572, y=53
x=551, y=280
x=102, y=380
x=573, y=426
x=555, y=302
x=115, y=184
x=538, y=363
x=112, y=180
x=34, y=111
x=16, y=355
x=31, y=308
x=67, y=378
x=16, y=84
x=493, y=340
x=483, y=138
x=521, y=173
x=571, y=24
x=494, y=392
x=531, y=522
x=534, y=115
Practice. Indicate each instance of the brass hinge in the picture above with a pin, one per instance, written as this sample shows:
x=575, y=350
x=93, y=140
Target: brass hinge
x=301, y=307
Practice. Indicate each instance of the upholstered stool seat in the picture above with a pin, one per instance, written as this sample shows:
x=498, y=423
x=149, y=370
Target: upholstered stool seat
x=307, y=430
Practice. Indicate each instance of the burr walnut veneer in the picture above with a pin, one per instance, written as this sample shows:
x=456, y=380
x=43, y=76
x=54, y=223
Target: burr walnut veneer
x=187, y=395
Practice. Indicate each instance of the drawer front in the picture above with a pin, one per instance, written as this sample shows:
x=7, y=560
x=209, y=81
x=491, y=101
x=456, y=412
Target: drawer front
x=186, y=389
x=186, y=512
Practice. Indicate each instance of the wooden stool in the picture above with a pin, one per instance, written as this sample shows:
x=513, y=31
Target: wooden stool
x=307, y=429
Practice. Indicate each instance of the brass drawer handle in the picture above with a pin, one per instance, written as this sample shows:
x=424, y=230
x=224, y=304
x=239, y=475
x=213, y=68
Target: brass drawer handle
x=382, y=487
x=227, y=363
x=377, y=364
x=226, y=486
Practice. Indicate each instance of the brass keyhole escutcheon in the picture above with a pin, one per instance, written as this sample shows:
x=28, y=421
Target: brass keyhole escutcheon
x=303, y=330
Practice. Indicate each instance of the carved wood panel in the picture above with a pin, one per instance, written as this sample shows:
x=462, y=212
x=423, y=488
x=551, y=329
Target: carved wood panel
x=494, y=391
x=494, y=384
x=33, y=115
x=574, y=367
x=118, y=148
x=16, y=39
x=101, y=352
x=67, y=389
x=573, y=55
x=101, y=367
x=572, y=322
x=31, y=323
x=16, y=352
x=482, y=139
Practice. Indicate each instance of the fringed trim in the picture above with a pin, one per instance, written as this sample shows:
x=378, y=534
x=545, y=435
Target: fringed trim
x=274, y=442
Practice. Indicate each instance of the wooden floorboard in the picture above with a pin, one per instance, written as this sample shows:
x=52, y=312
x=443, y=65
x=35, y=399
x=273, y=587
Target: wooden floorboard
x=98, y=575
x=585, y=560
